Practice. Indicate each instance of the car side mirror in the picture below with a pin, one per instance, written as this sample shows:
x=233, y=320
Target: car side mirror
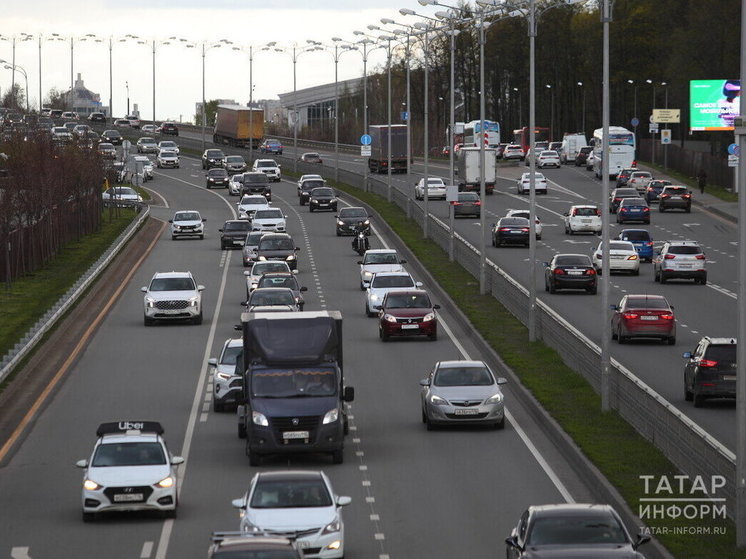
x=425, y=382
x=295, y=272
x=360, y=262
x=213, y=361
x=436, y=307
x=247, y=273
x=200, y=287
x=348, y=394
x=170, y=220
x=81, y=464
x=303, y=289
x=418, y=284
x=244, y=303
x=614, y=307
x=512, y=541
x=176, y=460
x=402, y=261
x=144, y=289
x=238, y=327
x=687, y=355
x=238, y=503
x=642, y=539
x=204, y=219
x=220, y=230
x=296, y=249
x=502, y=380
x=343, y=501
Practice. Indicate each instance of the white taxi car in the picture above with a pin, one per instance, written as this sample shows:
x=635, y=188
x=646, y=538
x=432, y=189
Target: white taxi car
x=130, y=469
x=187, y=223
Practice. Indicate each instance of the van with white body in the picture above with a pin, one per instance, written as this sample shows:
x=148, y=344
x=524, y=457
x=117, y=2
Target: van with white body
x=469, y=176
x=571, y=143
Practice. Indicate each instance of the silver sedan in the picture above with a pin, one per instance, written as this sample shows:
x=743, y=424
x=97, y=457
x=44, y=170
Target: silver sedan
x=462, y=392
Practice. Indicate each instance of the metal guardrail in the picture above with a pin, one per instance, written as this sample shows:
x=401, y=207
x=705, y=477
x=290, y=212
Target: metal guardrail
x=49, y=319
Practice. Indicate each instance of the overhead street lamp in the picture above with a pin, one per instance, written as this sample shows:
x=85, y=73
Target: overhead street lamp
x=73, y=40
x=169, y=41
x=41, y=38
x=206, y=47
x=12, y=39
x=14, y=67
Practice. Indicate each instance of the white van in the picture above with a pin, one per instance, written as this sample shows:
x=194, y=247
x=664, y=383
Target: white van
x=571, y=143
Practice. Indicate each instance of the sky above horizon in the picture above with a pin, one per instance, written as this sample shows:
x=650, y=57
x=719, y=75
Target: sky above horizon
x=178, y=69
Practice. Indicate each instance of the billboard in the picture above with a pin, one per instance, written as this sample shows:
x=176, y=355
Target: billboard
x=714, y=104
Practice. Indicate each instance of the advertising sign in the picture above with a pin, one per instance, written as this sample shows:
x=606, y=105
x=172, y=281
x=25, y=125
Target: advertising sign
x=714, y=104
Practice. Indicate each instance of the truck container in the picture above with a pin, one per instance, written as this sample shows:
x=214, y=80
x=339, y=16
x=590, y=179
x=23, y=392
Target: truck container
x=293, y=394
x=378, y=160
x=238, y=126
x=469, y=177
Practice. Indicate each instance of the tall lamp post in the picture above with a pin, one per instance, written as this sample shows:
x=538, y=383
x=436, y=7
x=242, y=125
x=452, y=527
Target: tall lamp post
x=582, y=125
x=551, y=111
x=41, y=38
x=12, y=39
x=206, y=47
x=15, y=67
x=365, y=42
x=169, y=41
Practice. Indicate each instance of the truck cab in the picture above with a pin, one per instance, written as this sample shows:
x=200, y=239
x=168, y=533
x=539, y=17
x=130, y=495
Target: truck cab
x=293, y=396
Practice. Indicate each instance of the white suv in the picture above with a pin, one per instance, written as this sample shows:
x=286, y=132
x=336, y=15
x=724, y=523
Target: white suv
x=172, y=296
x=680, y=260
x=188, y=223
x=227, y=383
x=582, y=219
x=269, y=167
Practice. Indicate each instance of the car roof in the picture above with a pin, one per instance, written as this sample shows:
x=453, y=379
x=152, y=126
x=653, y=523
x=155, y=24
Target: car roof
x=380, y=251
x=249, y=542
x=172, y=275
x=460, y=363
x=276, y=235
x=568, y=509
x=290, y=475
x=383, y=274
x=584, y=206
x=683, y=243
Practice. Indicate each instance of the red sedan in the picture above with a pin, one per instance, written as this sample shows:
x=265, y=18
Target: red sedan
x=407, y=313
x=643, y=316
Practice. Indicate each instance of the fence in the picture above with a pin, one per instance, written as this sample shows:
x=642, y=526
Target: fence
x=689, y=162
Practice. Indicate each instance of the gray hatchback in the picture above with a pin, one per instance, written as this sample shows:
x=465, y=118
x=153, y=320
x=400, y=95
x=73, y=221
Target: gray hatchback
x=462, y=392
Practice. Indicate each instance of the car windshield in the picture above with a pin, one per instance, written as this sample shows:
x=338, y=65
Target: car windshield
x=261, y=268
x=407, y=301
x=237, y=226
x=128, y=454
x=513, y=222
x=147, y=141
x=272, y=297
x=172, y=284
x=468, y=197
x=381, y=258
x=213, y=153
x=294, y=383
x=392, y=281
x=278, y=281
x=578, y=530
x=462, y=376
x=629, y=192
x=268, y=214
x=572, y=260
x=167, y=144
x=253, y=201
x=230, y=354
x=722, y=353
x=290, y=494
x=265, y=163
x=253, y=237
x=647, y=303
x=636, y=236
x=548, y=154
x=619, y=246
x=633, y=202
x=675, y=190
x=684, y=249
x=641, y=175
x=322, y=192
x=255, y=178
x=167, y=153
x=187, y=216
x=276, y=244
x=234, y=159
x=312, y=184
x=353, y=212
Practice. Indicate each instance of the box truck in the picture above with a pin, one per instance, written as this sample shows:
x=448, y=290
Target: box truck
x=469, y=177
x=238, y=126
x=379, y=148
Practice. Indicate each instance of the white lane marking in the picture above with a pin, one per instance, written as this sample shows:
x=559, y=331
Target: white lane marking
x=19, y=553
x=225, y=200
x=147, y=550
x=165, y=202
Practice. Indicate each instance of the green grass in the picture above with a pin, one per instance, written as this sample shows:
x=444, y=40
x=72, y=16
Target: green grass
x=620, y=453
x=721, y=192
x=29, y=297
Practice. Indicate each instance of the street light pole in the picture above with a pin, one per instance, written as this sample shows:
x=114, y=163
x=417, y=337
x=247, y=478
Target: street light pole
x=582, y=126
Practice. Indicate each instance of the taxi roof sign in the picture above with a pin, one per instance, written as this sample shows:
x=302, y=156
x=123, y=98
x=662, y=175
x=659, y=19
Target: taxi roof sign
x=120, y=427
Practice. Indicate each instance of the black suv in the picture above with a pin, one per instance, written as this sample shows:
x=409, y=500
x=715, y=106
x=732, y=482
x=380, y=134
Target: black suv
x=114, y=137
x=233, y=233
x=169, y=128
x=97, y=117
x=305, y=188
x=256, y=183
x=322, y=198
x=213, y=158
x=710, y=370
x=582, y=156
x=217, y=177
x=278, y=246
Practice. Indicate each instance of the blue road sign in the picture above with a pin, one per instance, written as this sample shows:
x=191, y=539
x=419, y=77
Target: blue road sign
x=405, y=115
x=365, y=139
x=635, y=121
x=734, y=149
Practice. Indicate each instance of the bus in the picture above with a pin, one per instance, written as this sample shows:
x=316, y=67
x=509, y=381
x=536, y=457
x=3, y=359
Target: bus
x=522, y=136
x=621, y=150
x=472, y=133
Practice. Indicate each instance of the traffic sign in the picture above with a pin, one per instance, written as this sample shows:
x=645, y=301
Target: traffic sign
x=635, y=121
x=365, y=151
x=734, y=149
x=666, y=116
x=732, y=161
x=653, y=128
x=665, y=136
x=365, y=139
x=405, y=115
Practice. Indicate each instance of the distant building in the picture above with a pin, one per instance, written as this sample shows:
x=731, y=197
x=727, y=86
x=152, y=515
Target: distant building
x=84, y=101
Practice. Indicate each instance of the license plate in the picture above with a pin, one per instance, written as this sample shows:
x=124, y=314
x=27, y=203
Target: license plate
x=729, y=377
x=323, y=204
x=410, y=327
x=466, y=412
x=127, y=497
x=287, y=435
x=585, y=221
x=575, y=272
x=517, y=232
x=648, y=318
x=685, y=266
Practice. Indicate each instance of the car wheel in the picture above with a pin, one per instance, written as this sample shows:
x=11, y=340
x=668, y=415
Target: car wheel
x=241, y=431
x=202, y=237
x=703, y=281
x=424, y=415
x=147, y=321
x=552, y=288
x=367, y=311
x=493, y=241
x=171, y=513
x=663, y=278
x=546, y=285
x=671, y=340
x=656, y=276
x=384, y=335
x=636, y=272
x=217, y=406
x=613, y=335
x=255, y=459
x=688, y=394
x=338, y=456
x=433, y=337
x=689, y=210
x=310, y=209
x=699, y=401
x=538, y=237
x=338, y=233
x=593, y=290
x=429, y=425
x=198, y=319
x=621, y=339
x=173, y=237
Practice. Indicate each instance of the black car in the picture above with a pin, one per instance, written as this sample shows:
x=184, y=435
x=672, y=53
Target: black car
x=283, y=279
x=277, y=246
x=256, y=183
x=511, y=231
x=97, y=117
x=113, y=137
x=710, y=370
x=581, y=158
x=217, y=177
x=675, y=197
x=271, y=146
x=305, y=188
x=570, y=271
x=322, y=198
x=572, y=530
x=655, y=187
x=350, y=218
x=623, y=176
x=233, y=233
x=633, y=209
x=169, y=128
x=618, y=194
x=213, y=158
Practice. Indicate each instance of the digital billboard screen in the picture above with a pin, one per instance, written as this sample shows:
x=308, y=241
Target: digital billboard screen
x=714, y=104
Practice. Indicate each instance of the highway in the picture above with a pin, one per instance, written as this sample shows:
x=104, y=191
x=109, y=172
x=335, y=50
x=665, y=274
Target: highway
x=700, y=310
x=449, y=493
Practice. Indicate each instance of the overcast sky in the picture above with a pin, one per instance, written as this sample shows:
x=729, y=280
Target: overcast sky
x=178, y=81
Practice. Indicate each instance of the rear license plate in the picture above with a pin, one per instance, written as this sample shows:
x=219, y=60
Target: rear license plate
x=729, y=377
x=294, y=435
x=517, y=232
x=685, y=266
x=648, y=318
x=466, y=412
x=410, y=326
x=128, y=497
x=585, y=221
x=575, y=272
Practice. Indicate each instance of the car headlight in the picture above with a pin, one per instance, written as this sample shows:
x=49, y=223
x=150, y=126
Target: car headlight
x=223, y=376
x=428, y=317
x=259, y=419
x=91, y=485
x=262, y=258
x=194, y=301
x=291, y=257
x=177, y=226
x=437, y=400
x=366, y=222
x=367, y=275
x=331, y=416
x=374, y=297
x=494, y=399
x=389, y=318
x=166, y=482
x=340, y=222
x=334, y=526
x=149, y=302
x=314, y=201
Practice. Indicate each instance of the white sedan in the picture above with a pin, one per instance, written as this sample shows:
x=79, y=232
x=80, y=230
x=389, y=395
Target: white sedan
x=436, y=188
x=622, y=257
x=268, y=219
x=382, y=283
x=548, y=158
x=524, y=183
x=235, y=185
x=527, y=215
x=250, y=204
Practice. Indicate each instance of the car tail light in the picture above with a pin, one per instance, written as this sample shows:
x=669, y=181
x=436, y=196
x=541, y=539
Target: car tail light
x=622, y=210
x=477, y=203
x=700, y=257
x=630, y=315
x=457, y=204
x=649, y=243
x=670, y=256
x=559, y=272
x=598, y=213
x=667, y=316
x=646, y=209
x=504, y=229
x=686, y=196
x=591, y=272
x=634, y=163
x=617, y=199
x=664, y=196
x=525, y=229
x=707, y=363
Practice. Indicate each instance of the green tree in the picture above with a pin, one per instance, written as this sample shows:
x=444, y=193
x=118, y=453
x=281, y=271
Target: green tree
x=211, y=109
